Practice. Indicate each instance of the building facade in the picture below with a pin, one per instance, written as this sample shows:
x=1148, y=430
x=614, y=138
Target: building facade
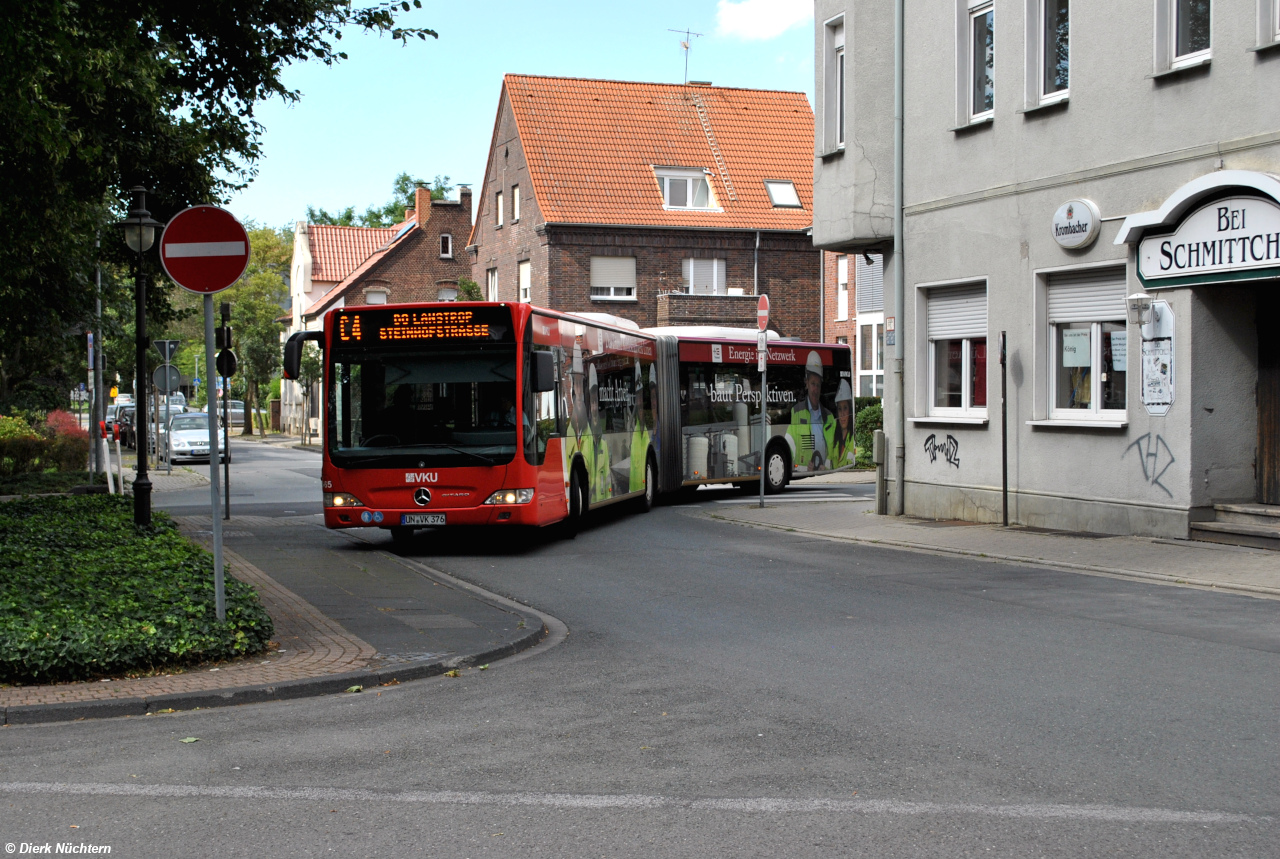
x=1103, y=151
x=658, y=203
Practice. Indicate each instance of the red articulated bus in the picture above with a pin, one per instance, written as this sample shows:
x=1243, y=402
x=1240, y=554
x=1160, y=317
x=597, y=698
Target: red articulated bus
x=465, y=413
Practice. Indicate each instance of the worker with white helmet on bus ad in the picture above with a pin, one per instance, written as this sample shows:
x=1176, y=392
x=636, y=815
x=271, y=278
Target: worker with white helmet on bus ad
x=840, y=446
x=811, y=423
x=639, y=434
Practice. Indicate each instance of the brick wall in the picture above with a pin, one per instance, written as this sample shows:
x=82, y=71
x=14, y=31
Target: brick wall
x=738, y=311
x=414, y=270
x=788, y=270
x=504, y=248
x=835, y=328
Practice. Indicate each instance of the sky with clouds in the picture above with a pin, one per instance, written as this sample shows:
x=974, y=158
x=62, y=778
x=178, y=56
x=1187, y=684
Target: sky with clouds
x=428, y=108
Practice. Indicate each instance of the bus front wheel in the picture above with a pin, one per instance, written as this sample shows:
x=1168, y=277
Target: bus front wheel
x=577, y=504
x=400, y=535
x=777, y=469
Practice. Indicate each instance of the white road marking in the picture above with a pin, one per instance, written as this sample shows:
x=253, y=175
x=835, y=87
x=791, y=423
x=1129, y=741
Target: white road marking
x=760, y=805
x=796, y=498
x=204, y=249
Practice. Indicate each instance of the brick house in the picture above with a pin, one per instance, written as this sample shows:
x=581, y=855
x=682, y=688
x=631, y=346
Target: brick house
x=853, y=313
x=420, y=259
x=665, y=204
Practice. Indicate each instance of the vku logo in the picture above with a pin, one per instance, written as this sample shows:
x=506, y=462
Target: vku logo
x=421, y=477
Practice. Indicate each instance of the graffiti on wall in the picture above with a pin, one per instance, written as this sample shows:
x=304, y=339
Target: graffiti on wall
x=949, y=449
x=1154, y=456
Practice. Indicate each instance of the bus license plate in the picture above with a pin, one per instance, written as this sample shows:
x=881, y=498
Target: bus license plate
x=421, y=518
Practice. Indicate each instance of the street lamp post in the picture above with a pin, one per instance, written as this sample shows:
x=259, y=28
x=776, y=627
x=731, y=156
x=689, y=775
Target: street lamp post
x=140, y=234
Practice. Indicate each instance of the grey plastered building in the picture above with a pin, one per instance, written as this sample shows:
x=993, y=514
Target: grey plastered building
x=1058, y=157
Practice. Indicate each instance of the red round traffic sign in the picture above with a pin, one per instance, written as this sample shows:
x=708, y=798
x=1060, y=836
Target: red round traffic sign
x=762, y=312
x=204, y=249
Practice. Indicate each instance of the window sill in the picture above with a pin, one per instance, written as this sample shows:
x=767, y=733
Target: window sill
x=1260, y=49
x=832, y=154
x=615, y=300
x=944, y=419
x=984, y=122
x=1063, y=423
x=1059, y=102
x=1194, y=65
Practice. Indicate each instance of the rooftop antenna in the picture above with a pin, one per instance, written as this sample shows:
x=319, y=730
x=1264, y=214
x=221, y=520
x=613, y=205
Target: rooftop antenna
x=689, y=36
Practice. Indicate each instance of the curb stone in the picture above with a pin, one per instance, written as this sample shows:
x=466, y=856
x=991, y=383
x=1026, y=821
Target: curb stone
x=1183, y=581
x=309, y=687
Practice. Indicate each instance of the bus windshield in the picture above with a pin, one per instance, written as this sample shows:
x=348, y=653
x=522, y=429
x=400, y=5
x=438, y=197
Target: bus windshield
x=435, y=406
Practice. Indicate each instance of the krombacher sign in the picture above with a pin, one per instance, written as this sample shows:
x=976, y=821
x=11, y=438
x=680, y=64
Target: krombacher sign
x=1232, y=239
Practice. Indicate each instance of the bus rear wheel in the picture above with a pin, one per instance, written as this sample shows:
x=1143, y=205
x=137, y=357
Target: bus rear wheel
x=650, y=486
x=777, y=469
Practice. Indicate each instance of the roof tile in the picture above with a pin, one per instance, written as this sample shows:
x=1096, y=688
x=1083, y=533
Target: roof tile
x=337, y=251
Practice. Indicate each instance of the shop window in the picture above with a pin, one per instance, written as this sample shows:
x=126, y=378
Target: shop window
x=956, y=320
x=613, y=278
x=1088, y=343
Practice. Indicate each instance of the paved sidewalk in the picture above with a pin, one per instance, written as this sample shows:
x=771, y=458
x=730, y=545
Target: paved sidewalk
x=1177, y=562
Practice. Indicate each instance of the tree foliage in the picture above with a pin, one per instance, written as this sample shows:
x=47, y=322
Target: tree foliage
x=389, y=213
x=98, y=97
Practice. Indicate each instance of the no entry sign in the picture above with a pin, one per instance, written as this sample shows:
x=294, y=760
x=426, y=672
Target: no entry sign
x=204, y=249
x=762, y=312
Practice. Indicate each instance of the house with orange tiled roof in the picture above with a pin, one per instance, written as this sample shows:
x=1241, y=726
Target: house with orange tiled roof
x=420, y=259
x=662, y=203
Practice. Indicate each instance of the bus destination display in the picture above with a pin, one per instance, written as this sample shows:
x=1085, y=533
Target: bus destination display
x=385, y=326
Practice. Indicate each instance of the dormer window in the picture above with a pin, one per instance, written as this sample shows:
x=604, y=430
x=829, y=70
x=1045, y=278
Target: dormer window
x=685, y=188
x=782, y=193
x=446, y=246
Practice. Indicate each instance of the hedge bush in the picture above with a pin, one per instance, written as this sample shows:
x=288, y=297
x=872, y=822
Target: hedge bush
x=865, y=425
x=84, y=594
x=57, y=444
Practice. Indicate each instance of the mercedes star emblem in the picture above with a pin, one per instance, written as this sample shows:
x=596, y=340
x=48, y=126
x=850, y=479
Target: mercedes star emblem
x=422, y=495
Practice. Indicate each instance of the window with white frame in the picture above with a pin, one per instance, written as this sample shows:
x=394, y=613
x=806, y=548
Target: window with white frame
x=704, y=276
x=1183, y=33
x=1274, y=20
x=956, y=322
x=446, y=246
x=978, y=58
x=524, y=277
x=613, y=278
x=497, y=209
x=1088, y=342
x=834, y=96
x=1054, y=56
x=1268, y=23
x=842, y=288
x=515, y=203
x=684, y=188
x=868, y=284
x=447, y=293
x=782, y=194
x=491, y=284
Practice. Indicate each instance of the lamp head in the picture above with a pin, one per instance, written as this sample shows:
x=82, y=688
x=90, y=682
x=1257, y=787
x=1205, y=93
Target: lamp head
x=139, y=228
x=1139, y=308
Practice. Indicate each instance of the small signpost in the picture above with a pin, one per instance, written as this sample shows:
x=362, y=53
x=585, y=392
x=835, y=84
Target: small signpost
x=204, y=250
x=762, y=364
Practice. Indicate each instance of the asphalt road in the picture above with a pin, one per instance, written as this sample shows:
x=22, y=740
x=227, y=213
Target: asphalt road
x=720, y=691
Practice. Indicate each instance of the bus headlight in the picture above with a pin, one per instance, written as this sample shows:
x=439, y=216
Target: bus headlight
x=341, y=499
x=511, y=496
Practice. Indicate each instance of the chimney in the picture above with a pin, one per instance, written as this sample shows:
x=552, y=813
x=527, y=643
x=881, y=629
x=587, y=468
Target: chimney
x=408, y=215
x=464, y=197
x=422, y=205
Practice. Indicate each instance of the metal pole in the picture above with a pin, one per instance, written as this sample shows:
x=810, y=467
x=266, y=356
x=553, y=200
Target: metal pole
x=226, y=444
x=168, y=442
x=900, y=430
x=220, y=595
x=764, y=419
x=141, y=483
x=1004, y=429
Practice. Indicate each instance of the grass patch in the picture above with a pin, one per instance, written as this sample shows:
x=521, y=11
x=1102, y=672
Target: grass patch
x=85, y=594
x=38, y=483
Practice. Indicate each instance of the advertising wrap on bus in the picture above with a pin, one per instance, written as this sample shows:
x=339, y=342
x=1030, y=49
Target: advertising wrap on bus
x=466, y=413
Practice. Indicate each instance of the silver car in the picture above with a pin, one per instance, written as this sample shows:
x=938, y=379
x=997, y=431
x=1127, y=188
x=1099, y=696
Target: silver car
x=190, y=438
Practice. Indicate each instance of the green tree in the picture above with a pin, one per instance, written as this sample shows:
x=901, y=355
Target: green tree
x=469, y=290
x=389, y=213
x=101, y=96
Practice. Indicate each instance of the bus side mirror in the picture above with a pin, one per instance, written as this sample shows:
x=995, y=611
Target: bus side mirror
x=292, y=364
x=291, y=367
x=544, y=372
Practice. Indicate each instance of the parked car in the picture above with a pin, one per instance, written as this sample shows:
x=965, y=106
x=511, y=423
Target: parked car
x=177, y=404
x=125, y=416
x=124, y=399
x=190, y=438
x=235, y=412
